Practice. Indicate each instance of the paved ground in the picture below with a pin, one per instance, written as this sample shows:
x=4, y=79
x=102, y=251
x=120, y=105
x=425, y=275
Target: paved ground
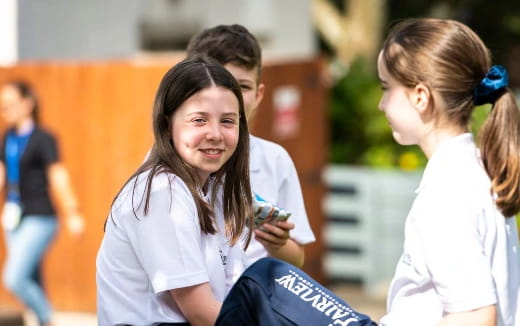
x=353, y=294
x=359, y=301
x=65, y=319
x=10, y=317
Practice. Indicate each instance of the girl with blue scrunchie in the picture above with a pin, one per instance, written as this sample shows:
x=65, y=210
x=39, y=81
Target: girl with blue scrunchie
x=461, y=258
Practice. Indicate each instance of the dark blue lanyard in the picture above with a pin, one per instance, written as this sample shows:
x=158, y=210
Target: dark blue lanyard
x=14, y=147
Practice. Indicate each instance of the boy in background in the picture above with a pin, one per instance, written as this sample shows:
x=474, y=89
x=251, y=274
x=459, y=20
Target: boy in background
x=272, y=171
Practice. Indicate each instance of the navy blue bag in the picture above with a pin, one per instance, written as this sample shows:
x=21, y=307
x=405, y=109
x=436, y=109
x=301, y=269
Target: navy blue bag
x=274, y=293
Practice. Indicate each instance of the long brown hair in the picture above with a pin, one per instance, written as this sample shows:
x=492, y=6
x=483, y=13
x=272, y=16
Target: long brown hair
x=447, y=56
x=178, y=84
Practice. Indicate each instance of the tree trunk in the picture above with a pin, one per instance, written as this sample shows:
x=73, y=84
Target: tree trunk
x=352, y=34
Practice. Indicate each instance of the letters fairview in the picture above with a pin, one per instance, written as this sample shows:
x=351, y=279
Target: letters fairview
x=306, y=291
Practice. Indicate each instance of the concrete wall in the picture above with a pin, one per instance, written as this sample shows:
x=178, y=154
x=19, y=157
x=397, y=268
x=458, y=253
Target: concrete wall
x=99, y=29
x=77, y=29
x=284, y=26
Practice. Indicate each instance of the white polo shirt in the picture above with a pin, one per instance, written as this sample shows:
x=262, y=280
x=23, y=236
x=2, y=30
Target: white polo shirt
x=274, y=178
x=460, y=253
x=142, y=257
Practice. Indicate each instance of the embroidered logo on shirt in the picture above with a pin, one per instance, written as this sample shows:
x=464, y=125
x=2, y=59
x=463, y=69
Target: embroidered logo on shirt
x=406, y=259
x=223, y=257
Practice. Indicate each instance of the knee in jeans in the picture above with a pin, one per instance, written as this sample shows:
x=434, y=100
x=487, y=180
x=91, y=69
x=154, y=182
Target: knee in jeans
x=12, y=281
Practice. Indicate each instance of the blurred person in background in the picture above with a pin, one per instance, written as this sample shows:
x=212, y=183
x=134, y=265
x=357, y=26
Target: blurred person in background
x=31, y=175
x=273, y=175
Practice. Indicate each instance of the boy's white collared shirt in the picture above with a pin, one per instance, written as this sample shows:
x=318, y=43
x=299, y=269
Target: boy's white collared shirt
x=275, y=179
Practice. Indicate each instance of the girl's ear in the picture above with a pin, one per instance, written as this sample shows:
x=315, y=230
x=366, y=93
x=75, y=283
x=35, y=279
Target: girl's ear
x=422, y=98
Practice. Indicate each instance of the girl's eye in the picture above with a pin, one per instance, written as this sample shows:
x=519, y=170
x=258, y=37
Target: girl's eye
x=198, y=120
x=245, y=87
x=228, y=121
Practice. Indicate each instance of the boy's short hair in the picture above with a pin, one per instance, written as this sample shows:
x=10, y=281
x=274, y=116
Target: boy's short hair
x=228, y=44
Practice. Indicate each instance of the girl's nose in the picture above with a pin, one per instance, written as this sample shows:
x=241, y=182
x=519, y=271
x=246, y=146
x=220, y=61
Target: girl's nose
x=214, y=132
x=380, y=105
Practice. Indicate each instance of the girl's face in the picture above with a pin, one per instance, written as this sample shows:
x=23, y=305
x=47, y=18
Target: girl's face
x=404, y=118
x=13, y=107
x=205, y=130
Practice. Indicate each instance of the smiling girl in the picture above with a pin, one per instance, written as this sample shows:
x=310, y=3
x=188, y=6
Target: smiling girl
x=166, y=257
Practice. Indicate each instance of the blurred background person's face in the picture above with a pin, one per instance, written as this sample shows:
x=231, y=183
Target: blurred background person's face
x=13, y=107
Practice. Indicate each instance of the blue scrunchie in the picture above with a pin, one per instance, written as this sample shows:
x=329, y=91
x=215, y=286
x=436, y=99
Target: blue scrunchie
x=491, y=86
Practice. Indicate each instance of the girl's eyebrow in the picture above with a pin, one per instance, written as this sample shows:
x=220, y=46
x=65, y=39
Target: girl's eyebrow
x=206, y=113
x=197, y=113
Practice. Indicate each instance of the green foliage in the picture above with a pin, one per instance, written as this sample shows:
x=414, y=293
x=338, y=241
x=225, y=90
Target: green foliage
x=360, y=132
x=497, y=22
x=479, y=116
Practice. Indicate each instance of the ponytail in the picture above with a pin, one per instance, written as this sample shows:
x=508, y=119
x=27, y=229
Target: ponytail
x=500, y=148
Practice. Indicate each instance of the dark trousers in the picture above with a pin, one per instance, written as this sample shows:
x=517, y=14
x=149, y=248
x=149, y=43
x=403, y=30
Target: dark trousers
x=166, y=324
x=274, y=293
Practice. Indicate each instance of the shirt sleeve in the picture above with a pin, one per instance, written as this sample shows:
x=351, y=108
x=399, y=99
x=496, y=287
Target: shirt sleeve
x=167, y=241
x=291, y=199
x=454, y=254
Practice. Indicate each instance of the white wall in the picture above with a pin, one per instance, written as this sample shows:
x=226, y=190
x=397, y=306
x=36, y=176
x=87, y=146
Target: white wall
x=8, y=32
